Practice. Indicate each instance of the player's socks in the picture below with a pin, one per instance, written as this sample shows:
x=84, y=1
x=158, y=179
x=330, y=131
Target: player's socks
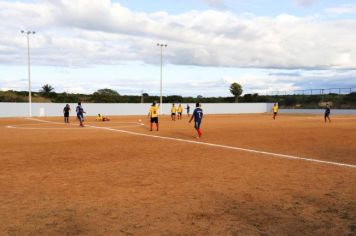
x=199, y=132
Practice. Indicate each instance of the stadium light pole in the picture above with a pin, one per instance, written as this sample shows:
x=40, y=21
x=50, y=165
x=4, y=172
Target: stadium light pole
x=160, y=99
x=29, y=71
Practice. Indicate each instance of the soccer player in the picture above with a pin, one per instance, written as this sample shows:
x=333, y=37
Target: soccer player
x=198, y=116
x=153, y=114
x=80, y=114
x=275, y=110
x=100, y=117
x=327, y=113
x=66, y=111
x=188, y=110
x=173, y=112
x=180, y=111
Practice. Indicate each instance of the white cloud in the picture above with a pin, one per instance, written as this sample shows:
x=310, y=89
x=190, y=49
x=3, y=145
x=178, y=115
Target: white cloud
x=343, y=9
x=6, y=84
x=255, y=83
x=287, y=81
x=80, y=33
x=304, y=2
x=215, y=3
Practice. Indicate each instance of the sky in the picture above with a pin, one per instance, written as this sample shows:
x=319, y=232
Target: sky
x=81, y=46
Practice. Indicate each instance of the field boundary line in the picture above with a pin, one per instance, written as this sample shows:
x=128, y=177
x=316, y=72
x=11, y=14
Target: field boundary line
x=25, y=126
x=285, y=156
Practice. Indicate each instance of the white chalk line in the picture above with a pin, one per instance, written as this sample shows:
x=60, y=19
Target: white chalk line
x=23, y=126
x=64, y=128
x=41, y=128
x=291, y=157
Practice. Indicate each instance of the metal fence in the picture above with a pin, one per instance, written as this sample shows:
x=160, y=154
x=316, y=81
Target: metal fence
x=339, y=91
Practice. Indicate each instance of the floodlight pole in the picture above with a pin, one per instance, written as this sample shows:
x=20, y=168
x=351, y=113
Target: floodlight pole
x=29, y=71
x=160, y=99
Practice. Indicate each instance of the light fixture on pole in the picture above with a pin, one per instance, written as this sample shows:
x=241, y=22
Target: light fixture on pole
x=29, y=71
x=160, y=101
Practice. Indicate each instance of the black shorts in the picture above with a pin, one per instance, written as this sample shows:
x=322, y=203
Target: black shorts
x=66, y=114
x=154, y=120
x=275, y=113
x=180, y=113
x=327, y=114
x=173, y=114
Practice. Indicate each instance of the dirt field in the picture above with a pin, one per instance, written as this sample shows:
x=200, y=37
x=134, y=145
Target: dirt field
x=58, y=179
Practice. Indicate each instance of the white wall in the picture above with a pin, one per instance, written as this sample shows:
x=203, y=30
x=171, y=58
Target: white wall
x=56, y=109
x=318, y=111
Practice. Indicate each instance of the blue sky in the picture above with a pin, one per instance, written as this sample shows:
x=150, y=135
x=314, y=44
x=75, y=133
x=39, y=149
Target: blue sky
x=85, y=45
x=256, y=7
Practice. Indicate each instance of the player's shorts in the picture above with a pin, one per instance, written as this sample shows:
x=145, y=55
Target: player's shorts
x=173, y=114
x=197, y=124
x=180, y=113
x=275, y=113
x=327, y=114
x=154, y=120
x=80, y=117
x=66, y=114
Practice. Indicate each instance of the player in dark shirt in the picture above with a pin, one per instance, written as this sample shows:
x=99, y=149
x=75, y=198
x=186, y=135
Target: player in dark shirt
x=197, y=116
x=188, y=110
x=80, y=113
x=327, y=113
x=66, y=111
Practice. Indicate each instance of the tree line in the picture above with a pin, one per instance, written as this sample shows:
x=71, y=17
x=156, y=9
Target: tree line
x=48, y=94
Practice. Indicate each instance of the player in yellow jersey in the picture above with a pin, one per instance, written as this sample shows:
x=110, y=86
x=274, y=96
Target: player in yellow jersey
x=180, y=111
x=173, y=112
x=100, y=117
x=275, y=110
x=153, y=114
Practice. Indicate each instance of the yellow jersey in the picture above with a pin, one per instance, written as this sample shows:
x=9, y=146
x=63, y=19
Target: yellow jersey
x=180, y=109
x=275, y=108
x=153, y=111
x=174, y=110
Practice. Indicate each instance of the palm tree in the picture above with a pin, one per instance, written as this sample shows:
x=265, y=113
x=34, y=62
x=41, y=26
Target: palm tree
x=46, y=90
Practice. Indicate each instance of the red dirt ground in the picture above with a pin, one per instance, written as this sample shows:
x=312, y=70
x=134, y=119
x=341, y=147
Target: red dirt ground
x=57, y=179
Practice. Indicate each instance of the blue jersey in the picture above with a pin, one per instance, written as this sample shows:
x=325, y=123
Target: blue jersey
x=79, y=110
x=198, y=114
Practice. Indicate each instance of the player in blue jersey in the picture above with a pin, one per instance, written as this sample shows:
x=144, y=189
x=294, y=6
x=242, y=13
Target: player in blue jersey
x=327, y=113
x=80, y=113
x=198, y=116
